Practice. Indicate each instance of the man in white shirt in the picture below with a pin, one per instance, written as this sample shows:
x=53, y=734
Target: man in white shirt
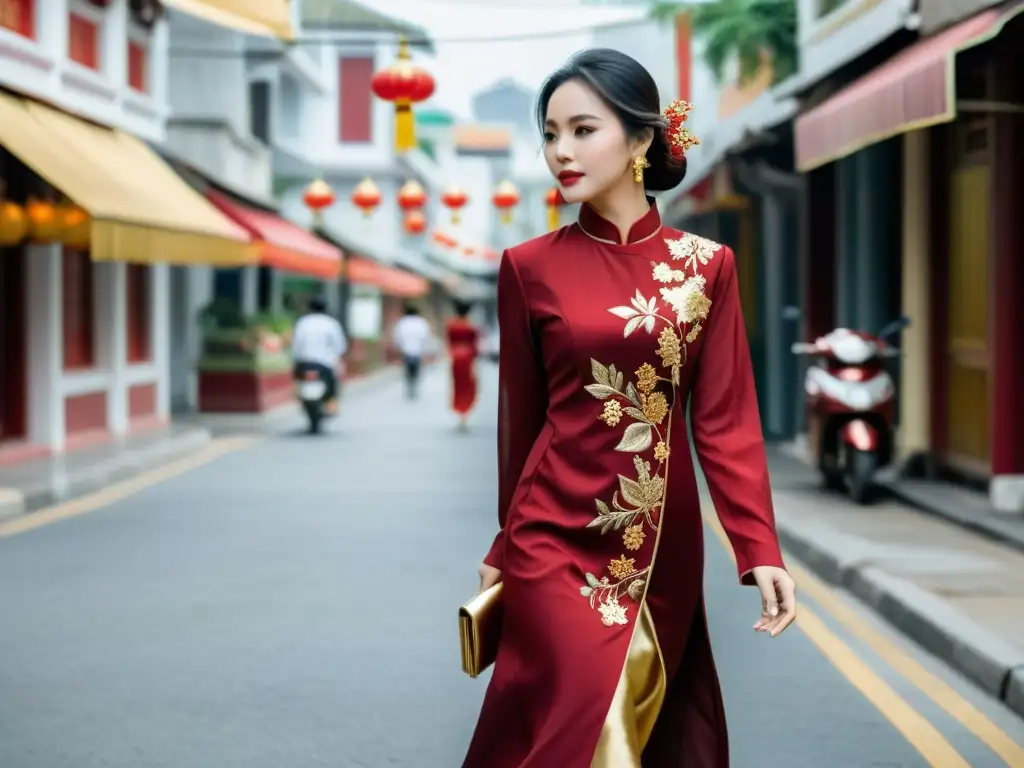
x=318, y=341
x=412, y=335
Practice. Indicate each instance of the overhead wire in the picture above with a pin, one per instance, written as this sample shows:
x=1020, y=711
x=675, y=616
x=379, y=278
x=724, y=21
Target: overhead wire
x=386, y=36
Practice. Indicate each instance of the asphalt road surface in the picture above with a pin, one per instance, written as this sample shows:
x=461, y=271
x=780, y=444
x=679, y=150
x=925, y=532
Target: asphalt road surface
x=292, y=604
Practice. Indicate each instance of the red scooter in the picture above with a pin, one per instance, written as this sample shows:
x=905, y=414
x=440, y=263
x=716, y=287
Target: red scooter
x=849, y=398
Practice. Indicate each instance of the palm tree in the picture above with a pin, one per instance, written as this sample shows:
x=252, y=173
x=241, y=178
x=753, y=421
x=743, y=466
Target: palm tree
x=744, y=29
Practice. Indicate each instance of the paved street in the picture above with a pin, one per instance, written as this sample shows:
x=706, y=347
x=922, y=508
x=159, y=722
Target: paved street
x=292, y=604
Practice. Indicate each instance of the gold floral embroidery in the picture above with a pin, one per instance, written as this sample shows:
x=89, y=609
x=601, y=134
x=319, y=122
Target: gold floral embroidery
x=635, y=507
x=633, y=537
x=621, y=568
x=612, y=413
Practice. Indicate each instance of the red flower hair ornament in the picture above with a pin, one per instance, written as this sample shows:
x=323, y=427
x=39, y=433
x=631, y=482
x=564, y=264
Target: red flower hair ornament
x=679, y=138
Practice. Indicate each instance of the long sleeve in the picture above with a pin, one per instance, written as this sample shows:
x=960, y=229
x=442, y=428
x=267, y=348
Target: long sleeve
x=727, y=430
x=522, y=394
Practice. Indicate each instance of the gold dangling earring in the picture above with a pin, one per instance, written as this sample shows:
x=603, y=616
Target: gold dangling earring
x=638, y=169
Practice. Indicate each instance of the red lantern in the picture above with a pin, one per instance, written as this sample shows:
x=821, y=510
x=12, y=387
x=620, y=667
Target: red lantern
x=505, y=198
x=411, y=196
x=318, y=196
x=366, y=196
x=454, y=198
x=404, y=84
x=553, y=200
x=415, y=222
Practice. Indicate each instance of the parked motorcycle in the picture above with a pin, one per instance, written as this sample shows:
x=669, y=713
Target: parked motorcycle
x=849, y=397
x=311, y=391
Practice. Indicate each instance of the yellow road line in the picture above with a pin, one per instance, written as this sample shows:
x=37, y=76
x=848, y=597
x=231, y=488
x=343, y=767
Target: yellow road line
x=121, y=490
x=940, y=692
x=915, y=728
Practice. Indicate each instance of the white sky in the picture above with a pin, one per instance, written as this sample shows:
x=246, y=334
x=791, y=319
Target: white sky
x=464, y=68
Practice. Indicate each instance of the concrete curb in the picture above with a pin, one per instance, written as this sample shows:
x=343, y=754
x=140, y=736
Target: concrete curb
x=981, y=656
x=63, y=484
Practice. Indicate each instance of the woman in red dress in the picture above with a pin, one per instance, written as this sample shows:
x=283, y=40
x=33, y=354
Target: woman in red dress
x=609, y=328
x=463, y=339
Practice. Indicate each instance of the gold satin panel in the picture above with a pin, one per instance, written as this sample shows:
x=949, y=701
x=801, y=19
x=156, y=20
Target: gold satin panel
x=637, y=701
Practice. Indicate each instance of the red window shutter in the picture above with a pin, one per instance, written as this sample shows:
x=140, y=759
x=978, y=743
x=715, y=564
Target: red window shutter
x=83, y=42
x=18, y=16
x=355, y=102
x=78, y=309
x=138, y=316
x=138, y=76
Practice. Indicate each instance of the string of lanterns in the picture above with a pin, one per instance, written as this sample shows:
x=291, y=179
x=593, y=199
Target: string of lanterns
x=403, y=83
x=43, y=221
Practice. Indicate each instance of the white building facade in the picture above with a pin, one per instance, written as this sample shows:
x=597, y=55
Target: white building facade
x=81, y=374
x=91, y=220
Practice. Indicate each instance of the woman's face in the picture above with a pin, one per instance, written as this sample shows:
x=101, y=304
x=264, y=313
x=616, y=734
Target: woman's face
x=585, y=145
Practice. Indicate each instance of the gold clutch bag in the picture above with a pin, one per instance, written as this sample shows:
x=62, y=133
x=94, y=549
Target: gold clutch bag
x=480, y=630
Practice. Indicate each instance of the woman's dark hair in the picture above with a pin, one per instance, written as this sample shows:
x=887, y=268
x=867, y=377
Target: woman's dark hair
x=628, y=89
x=462, y=308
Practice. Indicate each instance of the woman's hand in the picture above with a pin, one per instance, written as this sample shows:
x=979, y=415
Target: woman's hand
x=778, y=599
x=489, y=576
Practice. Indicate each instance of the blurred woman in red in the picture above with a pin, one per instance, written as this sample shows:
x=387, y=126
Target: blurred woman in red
x=463, y=340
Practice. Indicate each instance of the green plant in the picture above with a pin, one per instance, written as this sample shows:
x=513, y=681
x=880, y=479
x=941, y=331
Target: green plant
x=221, y=313
x=276, y=322
x=743, y=30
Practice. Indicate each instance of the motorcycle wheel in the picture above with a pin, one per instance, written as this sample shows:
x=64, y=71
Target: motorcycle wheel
x=860, y=468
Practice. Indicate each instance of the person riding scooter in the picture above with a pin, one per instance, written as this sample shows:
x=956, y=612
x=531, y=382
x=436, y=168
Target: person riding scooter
x=318, y=342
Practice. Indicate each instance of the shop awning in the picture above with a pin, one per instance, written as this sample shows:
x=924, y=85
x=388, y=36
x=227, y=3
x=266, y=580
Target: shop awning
x=914, y=89
x=362, y=271
x=282, y=244
x=391, y=281
x=264, y=18
x=141, y=210
x=397, y=282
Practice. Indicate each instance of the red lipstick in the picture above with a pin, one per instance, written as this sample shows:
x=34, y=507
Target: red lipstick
x=568, y=178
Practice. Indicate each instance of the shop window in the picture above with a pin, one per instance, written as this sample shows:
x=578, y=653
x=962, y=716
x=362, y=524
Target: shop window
x=83, y=41
x=78, y=310
x=355, y=119
x=18, y=16
x=138, y=313
x=138, y=67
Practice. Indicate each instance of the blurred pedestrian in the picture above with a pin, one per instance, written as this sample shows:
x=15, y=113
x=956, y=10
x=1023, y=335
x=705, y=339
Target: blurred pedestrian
x=463, y=348
x=412, y=336
x=610, y=327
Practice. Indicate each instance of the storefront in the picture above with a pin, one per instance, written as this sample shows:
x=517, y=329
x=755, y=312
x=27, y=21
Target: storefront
x=244, y=363
x=86, y=284
x=948, y=108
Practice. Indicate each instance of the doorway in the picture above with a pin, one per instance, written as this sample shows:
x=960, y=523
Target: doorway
x=13, y=359
x=181, y=362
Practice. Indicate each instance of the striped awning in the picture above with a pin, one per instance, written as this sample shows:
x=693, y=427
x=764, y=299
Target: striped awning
x=914, y=89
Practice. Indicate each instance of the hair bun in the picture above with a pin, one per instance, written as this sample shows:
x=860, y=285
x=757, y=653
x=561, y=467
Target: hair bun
x=666, y=170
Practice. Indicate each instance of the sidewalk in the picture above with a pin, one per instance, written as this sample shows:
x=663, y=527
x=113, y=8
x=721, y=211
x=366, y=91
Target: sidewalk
x=32, y=485
x=957, y=593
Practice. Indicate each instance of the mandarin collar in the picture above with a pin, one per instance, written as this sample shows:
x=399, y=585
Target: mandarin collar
x=599, y=228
